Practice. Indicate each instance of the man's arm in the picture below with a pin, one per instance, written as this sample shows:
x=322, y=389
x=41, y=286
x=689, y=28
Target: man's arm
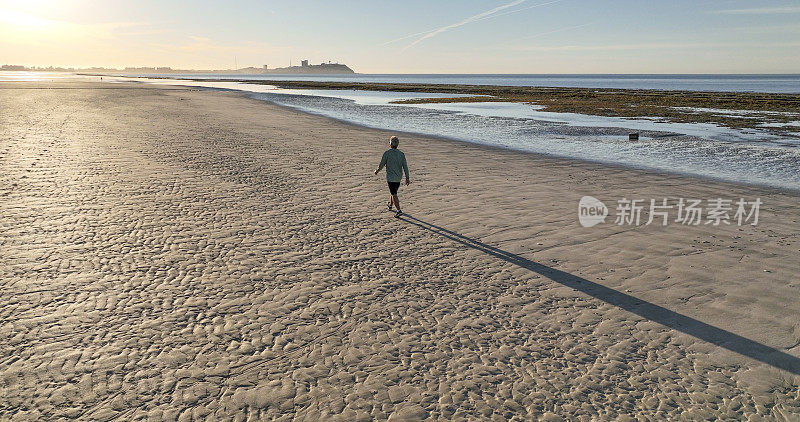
x=405, y=169
x=382, y=164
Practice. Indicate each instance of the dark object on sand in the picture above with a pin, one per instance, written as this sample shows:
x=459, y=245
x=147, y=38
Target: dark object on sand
x=633, y=136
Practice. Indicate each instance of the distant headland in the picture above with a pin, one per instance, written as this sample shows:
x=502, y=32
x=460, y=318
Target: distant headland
x=322, y=68
x=304, y=68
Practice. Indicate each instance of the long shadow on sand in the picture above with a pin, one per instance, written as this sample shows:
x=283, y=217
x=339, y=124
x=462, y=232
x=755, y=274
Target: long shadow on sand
x=650, y=311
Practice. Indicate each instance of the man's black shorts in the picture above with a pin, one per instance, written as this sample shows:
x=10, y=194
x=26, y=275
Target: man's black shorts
x=393, y=186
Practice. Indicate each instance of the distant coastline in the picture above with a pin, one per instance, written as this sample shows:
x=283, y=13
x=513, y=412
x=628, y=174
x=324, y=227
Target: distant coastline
x=304, y=68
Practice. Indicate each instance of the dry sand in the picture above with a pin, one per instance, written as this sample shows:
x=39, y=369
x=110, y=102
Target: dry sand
x=174, y=253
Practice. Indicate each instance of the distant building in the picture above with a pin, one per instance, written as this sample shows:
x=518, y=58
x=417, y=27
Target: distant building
x=304, y=63
x=265, y=67
x=149, y=69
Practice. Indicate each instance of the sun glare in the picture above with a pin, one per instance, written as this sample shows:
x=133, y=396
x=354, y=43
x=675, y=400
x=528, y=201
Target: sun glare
x=23, y=20
x=28, y=5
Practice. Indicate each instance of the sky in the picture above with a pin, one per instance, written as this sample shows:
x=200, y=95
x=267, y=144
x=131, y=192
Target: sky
x=409, y=36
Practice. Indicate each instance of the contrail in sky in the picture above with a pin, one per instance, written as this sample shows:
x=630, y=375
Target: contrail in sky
x=518, y=10
x=489, y=14
x=407, y=36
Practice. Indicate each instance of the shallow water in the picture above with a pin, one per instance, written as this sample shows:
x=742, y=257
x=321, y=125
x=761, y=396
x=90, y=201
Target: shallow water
x=728, y=83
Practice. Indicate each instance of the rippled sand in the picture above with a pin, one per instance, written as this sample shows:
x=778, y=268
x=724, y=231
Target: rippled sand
x=174, y=253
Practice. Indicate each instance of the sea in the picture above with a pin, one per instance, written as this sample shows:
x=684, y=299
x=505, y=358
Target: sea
x=789, y=84
x=747, y=156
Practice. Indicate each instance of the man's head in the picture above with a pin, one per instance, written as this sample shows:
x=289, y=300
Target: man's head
x=394, y=142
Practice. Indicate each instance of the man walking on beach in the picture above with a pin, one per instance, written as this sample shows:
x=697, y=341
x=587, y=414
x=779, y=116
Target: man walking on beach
x=394, y=160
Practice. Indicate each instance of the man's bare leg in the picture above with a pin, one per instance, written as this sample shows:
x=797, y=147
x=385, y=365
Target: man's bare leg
x=396, y=201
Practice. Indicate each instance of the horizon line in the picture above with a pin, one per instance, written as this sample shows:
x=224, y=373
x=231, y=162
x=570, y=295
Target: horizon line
x=79, y=69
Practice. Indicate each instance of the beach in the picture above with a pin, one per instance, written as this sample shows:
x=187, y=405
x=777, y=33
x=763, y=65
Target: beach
x=171, y=252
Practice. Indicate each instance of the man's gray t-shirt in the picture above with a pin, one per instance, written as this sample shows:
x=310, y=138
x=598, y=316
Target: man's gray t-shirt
x=395, y=162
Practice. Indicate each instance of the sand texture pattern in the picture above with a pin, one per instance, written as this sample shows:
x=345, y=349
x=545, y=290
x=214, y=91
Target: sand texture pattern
x=186, y=254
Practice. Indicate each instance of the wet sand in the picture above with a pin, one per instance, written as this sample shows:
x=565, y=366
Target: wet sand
x=176, y=253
